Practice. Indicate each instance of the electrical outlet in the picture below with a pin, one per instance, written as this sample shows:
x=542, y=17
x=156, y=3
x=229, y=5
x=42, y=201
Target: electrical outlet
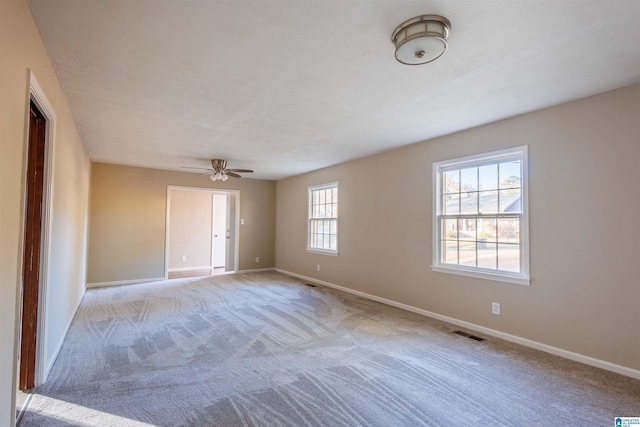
x=241, y=221
x=184, y=258
x=495, y=308
x=257, y=259
x=317, y=267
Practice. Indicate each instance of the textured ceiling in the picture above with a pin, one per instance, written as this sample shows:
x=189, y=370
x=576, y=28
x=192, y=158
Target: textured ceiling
x=289, y=86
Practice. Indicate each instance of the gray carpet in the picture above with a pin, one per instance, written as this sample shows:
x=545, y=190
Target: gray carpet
x=263, y=349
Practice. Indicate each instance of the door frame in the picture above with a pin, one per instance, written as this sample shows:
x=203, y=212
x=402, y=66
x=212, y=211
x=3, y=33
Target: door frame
x=236, y=220
x=36, y=95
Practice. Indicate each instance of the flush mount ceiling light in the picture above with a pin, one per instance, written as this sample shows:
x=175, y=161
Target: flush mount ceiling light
x=421, y=39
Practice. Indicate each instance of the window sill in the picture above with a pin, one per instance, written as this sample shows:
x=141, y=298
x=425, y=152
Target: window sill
x=321, y=252
x=500, y=277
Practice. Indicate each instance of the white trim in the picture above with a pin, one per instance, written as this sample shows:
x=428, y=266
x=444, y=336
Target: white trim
x=254, y=270
x=587, y=360
x=64, y=336
x=498, y=276
x=521, y=278
x=323, y=252
x=490, y=157
x=236, y=244
x=37, y=95
x=200, y=267
x=124, y=282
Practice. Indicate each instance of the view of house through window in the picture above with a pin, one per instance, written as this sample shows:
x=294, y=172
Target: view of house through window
x=323, y=218
x=480, y=215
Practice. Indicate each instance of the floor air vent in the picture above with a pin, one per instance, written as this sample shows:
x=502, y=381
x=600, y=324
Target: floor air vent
x=464, y=334
x=309, y=284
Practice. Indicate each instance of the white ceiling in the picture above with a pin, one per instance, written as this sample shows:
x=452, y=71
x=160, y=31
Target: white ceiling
x=289, y=86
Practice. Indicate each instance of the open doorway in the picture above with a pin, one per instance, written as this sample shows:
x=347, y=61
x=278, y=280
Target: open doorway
x=201, y=232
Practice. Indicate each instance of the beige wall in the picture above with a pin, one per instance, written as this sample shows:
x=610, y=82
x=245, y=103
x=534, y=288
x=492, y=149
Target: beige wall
x=584, y=163
x=128, y=213
x=21, y=49
x=191, y=214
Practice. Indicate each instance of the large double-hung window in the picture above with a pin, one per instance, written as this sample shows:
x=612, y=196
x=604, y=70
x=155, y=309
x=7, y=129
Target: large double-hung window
x=323, y=219
x=481, y=216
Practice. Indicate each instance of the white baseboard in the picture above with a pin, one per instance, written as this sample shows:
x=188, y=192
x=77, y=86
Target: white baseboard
x=123, y=282
x=623, y=370
x=257, y=270
x=47, y=369
x=202, y=267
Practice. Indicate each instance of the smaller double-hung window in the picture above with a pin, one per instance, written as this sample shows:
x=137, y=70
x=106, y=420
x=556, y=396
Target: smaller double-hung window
x=480, y=221
x=322, y=233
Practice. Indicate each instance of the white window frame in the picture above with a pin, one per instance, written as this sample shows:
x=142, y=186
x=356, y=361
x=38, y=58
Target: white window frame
x=521, y=278
x=310, y=191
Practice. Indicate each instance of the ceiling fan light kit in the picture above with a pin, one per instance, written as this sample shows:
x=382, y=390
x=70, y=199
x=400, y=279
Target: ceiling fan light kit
x=421, y=40
x=219, y=172
x=218, y=176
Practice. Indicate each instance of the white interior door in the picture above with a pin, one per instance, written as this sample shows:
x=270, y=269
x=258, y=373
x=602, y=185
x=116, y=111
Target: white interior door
x=219, y=230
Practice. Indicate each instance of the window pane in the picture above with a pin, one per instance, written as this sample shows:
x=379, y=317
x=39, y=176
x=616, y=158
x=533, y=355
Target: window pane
x=451, y=204
x=469, y=179
x=488, y=179
x=487, y=229
x=332, y=243
x=450, y=230
x=334, y=195
x=488, y=202
x=451, y=181
x=467, y=253
x=511, y=201
x=469, y=203
x=487, y=255
x=508, y=230
x=467, y=229
x=508, y=257
x=450, y=252
x=334, y=211
x=509, y=174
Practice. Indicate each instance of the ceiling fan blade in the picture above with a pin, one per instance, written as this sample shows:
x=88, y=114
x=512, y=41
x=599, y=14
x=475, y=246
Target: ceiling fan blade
x=240, y=170
x=233, y=174
x=189, y=167
x=206, y=173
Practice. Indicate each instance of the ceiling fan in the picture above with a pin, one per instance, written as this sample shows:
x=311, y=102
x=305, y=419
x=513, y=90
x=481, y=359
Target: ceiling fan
x=219, y=171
